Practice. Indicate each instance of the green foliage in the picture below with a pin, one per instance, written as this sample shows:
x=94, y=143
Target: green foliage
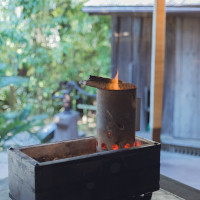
x=13, y=123
x=44, y=42
x=51, y=41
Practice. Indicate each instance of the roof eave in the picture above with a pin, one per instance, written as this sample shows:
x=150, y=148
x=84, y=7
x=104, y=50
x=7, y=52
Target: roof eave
x=110, y=10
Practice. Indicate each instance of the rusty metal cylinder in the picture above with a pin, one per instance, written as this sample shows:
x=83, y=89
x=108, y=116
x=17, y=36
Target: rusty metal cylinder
x=116, y=112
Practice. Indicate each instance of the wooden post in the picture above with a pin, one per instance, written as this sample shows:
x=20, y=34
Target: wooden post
x=157, y=68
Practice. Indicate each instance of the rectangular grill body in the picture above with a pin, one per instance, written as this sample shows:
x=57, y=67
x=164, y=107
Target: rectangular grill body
x=84, y=173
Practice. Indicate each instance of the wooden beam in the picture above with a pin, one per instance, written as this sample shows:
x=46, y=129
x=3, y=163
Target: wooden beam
x=136, y=10
x=157, y=68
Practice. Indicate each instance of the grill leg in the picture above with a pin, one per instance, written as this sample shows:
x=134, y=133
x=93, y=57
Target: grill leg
x=146, y=196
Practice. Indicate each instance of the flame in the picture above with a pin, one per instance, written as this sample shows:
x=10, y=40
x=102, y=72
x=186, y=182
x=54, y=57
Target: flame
x=114, y=85
x=116, y=82
x=117, y=76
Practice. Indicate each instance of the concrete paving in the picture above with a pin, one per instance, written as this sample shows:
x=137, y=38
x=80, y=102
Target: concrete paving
x=181, y=167
x=164, y=195
x=3, y=165
x=4, y=189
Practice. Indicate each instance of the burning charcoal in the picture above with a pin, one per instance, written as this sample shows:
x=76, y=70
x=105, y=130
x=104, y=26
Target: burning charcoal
x=116, y=118
x=116, y=109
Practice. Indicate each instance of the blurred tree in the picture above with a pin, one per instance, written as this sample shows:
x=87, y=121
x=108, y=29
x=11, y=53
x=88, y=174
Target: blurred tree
x=50, y=41
x=43, y=42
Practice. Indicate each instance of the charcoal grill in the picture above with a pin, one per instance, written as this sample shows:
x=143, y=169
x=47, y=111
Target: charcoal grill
x=114, y=165
x=75, y=170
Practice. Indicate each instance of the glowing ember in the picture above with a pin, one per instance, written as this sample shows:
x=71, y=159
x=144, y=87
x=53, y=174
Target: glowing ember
x=137, y=143
x=114, y=85
x=103, y=146
x=115, y=147
x=127, y=145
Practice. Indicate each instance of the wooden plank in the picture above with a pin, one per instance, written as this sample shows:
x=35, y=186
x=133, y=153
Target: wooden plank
x=115, y=28
x=169, y=77
x=138, y=3
x=138, y=60
x=138, y=11
x=136, y=38
x=124, y=56
x=187, y=106
x=157, y=68
x=21, y=175
x=144, y=67
x=178, y=64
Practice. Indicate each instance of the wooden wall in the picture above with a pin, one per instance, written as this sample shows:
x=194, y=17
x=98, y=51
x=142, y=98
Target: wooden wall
x=131, y=53
x=187, y=78
x=169, y=77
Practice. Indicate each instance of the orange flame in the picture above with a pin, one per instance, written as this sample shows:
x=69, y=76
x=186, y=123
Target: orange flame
x=117, y=76
x=114, y=85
